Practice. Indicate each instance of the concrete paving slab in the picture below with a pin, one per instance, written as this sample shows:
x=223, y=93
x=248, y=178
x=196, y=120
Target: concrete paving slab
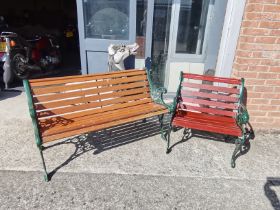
x=136, y=150
x=25, y=190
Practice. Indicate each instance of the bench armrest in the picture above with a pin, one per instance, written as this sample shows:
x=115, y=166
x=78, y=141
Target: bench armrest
x=157, y=96
x=242, y=115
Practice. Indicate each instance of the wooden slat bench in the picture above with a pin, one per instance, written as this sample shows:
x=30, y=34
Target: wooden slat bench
x=66, y=106
x=212, y=104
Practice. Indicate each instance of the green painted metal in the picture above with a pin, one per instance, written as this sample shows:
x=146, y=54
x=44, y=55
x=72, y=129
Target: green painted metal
x=242, y=119
x=242, y=115
x=157, y=93
x=162, y=132
x=32, y=113
x=173, y=110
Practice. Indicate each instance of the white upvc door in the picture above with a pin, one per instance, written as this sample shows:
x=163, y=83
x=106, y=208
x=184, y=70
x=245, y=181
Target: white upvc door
x=101, y=23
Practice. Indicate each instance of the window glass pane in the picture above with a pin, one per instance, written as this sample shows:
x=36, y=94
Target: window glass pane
x=160, y=39
x=141, y=22
x=106, y=19
x=191, y=26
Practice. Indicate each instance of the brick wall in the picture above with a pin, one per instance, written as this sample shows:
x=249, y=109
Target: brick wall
x=257, y=59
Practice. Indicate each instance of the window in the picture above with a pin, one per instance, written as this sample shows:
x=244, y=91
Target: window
x=106, y=19
x=191, y=26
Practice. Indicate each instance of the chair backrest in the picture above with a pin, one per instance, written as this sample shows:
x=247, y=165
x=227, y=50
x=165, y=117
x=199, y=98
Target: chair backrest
x=209, y=94
x=88, y=94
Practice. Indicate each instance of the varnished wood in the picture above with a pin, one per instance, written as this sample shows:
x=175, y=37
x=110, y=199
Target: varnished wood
x=74, y=105
x=98, y=119
x=82, y=78
x=89, y=99
x=91, y=105
x=90, y=84
x=102, y=126
x=65, y=95
x=104, y=109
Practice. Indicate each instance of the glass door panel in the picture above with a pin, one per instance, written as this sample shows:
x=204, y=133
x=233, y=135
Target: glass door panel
x=191, y=26
x=160, y=39
x=105, y=19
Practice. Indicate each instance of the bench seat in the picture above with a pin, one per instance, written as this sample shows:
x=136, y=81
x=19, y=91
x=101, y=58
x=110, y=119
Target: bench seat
x=61, y=127
x=207, y=122
x=63, y=107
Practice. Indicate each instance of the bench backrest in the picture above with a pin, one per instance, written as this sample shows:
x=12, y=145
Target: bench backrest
x=87, y=94
x=209, y=94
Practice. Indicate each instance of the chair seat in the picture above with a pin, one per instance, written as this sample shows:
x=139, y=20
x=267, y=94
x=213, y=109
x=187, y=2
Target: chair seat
x=207, y=122
x=64, y=126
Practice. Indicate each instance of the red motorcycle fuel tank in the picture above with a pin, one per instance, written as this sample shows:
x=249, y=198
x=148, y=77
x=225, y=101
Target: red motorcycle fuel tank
x=42, y=43
x=36, y=55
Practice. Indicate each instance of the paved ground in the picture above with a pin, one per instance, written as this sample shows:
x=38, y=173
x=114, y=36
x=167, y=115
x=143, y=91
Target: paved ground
x=132, y=171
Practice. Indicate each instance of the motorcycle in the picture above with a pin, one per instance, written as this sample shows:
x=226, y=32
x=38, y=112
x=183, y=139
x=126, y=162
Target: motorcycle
x=3, y=27
x=41, y=53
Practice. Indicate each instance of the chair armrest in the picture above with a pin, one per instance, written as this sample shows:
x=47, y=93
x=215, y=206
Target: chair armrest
x=243, y=115
x=157, y=96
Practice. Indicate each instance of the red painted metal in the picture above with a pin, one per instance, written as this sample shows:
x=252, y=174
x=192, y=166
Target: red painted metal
x=212, y=79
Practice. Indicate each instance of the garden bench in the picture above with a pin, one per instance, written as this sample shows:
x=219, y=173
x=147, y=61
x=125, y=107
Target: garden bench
x=212, y=104
x=62, y=107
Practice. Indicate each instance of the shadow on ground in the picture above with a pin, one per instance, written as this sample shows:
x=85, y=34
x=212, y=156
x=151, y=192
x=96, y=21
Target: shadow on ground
x=108, y=139
x=5, y=94
x=189, y=133
x=270, y=193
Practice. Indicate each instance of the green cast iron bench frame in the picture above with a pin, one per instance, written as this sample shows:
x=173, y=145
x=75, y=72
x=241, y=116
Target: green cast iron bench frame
x=62, y=107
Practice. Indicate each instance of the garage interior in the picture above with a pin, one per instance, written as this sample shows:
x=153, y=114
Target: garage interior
x=55, y=17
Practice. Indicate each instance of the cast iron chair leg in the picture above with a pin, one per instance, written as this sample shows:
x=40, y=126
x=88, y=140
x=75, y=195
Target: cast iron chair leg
x=160, y=118
x=168, y=150
x=46, y=176
x=237, y=148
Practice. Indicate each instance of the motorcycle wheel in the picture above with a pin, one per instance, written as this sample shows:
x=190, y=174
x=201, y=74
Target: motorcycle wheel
x=18, y=66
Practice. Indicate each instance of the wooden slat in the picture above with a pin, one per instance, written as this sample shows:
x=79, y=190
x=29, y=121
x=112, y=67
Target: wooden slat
x=91, y=84
x=200, y=118
x=74, y=116
x=211, y=111
x=212, y=79
x=101, y=119
x=207, y=117
x=102, y=126
x=81, y=78
x=211, y=87
x=92, y=105
x=209, y=95
x=234, y=131
x=210, y=103
x=89, y=99
x=61, y=96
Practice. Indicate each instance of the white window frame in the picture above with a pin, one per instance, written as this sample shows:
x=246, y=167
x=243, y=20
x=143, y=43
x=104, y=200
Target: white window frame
x=178, y=57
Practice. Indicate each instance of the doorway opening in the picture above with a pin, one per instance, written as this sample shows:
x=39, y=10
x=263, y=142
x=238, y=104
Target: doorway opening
x=36, y=18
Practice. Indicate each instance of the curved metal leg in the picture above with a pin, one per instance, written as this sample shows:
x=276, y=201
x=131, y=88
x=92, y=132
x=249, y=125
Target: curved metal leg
x=233, y=158
x=46, y=175
x=168, y=149
x=162, y=132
